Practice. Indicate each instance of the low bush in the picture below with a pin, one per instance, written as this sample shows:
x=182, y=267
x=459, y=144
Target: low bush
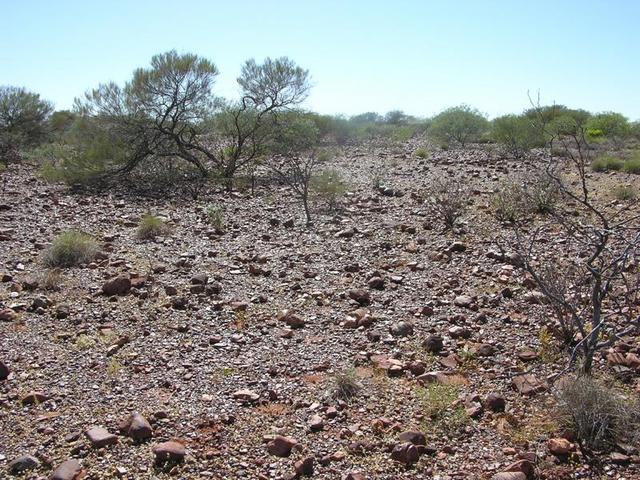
x=632, y=165
x=517, y=134
x=70, y=249
x=151, y=227
x=509, y=203
x=606, y=163
x=599, y=416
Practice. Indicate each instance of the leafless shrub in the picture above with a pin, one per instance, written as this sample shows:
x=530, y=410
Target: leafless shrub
x=446, y=200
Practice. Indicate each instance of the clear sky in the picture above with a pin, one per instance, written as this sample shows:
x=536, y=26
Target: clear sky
x=363, y=55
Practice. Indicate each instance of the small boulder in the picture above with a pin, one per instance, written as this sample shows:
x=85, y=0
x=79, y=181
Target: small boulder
x=405, y=453
x=281, y=446
x=4, y=371
x=136, y=427
x=117, y=286
x=22, y=464
x=100, y=437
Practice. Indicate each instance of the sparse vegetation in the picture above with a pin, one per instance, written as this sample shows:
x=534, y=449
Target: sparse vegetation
x=329, y=187
x=345, y=385
x=422, y=153
x=70, y=249
x=151, y=227
x=607, y=163
x=215, y=216
x=446, y=201
x=624, y=193
x=458, y=125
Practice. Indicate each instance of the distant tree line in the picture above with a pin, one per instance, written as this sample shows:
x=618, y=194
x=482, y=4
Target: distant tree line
x=167, y=117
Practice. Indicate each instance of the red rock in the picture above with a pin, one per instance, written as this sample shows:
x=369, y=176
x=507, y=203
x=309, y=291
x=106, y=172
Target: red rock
x=304, y=467
x=136, y=427
x=560, y=446
x=281, y=446
x=509, y=476
x=361, y=296
x=100, y=437
x=495, y=402
x=245, y=395
x=405, y=453
x=524, y=466
x=117, y=286
x=170, y=451
x=414, y=437
x=8, y=315
x=69, y=470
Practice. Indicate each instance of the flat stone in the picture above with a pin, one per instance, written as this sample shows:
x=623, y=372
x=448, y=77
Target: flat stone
x=170, y=451
x=23, y=463
x=100, y=437
x=68, y=470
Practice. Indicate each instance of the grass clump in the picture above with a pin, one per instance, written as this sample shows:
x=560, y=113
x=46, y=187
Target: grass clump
x=441, y=406
x=624, y=193
x=345, y=385
x=215, y=216
x=422, y=153
x=150, y=227
x=607, y=163
x=446, y=199
x=599, y=416
x=70, y=249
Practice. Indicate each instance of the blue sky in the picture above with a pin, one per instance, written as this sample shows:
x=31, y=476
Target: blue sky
x=418, y=56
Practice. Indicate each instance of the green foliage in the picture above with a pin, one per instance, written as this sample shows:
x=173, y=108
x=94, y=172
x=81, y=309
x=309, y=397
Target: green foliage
x=23, y=119
x=632, y=165
x=634, y=129
x=520, y=197
x=70, y=249
x=459, y=125
x=608, y=125
x=150, y=227
x=509, y=203
x=441, y=407
x=599, y=416
x=517, y=134
x=329, y=186
x=606, y=163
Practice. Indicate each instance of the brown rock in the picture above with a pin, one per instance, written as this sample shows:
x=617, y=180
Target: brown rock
x=136, y=427
x=4, y=371
x=34, y=398
x=528, y=384
x=69, y=470
x=495, y=402
x=433, y=343
x=8, y=315
x=22, y=464
x=509, y=476
x=117, y=286
x=316, y=423
x=414, y=437
x=361, y=296
x=304, y=467
x=405, y=453
x=246, y=395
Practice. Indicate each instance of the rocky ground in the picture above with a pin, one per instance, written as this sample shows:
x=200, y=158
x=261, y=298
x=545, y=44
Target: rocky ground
x=230, y=347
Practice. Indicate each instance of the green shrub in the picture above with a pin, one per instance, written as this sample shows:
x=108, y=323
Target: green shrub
x=517, y=134
x=329, y=186
x=460, y=125
x=509, y=203
x=598, y=415
x=150, y=227
x=69, y=249
x=215, y=216
x=632, y=165
x=422, y=153
x=608, y=125
x=446, y=200
x=606, y=163
x=541, y=191
x=623, y=192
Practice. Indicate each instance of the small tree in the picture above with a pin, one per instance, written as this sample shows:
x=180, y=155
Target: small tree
x=459, y=125
x=23, y=119
x=295, y=157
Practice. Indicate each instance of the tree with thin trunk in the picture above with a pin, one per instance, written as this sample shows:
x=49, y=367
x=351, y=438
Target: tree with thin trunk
x=592, y=282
